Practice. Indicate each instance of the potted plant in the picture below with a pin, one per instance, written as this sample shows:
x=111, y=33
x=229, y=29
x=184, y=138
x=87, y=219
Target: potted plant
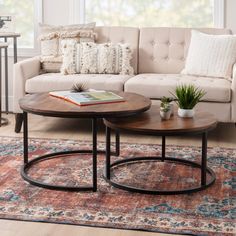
x=165, y=109
x=79, y=87
x=168, y=100
x=187, y=97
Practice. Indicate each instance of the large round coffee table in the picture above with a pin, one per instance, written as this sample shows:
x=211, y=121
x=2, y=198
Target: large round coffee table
x=46, y=105
x=150, y=123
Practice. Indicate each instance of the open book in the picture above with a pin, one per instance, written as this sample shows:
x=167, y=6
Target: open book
x=88, y=98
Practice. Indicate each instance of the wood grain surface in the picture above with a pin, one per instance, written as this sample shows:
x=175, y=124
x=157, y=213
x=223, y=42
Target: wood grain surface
x=46, y=105
x=150, y=122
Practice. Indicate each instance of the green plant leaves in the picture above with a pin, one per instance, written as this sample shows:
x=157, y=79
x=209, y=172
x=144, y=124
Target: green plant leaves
x=188, y=96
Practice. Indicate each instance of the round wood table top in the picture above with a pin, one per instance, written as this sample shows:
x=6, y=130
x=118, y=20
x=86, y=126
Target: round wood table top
x=150, y=122
x=46, y=105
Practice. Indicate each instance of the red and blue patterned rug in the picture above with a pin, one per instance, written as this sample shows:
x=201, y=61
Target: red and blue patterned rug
x=209, y=212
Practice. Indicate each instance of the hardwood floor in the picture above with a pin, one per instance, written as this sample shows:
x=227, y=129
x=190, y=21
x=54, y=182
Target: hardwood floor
x=43, y=127
x=20, y=228
x=46, y=127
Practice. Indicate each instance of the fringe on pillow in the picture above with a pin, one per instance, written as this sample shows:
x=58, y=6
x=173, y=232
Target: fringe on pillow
x=49, y=36
x=89, y=57
x=68, y=47
x=126, y=68
x=51, y=59
x=77, y=33
x=68, y=34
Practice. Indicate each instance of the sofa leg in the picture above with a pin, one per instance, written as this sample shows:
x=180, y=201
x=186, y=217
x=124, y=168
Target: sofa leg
x=19, y=121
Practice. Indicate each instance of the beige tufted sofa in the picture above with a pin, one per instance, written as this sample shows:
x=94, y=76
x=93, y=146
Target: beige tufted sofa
x=158, y=57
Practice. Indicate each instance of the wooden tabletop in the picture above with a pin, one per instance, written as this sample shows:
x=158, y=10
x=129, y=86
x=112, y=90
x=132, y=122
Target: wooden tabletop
x=150, y=122
x=9, y=34
x=3, y=45
x=46, y=105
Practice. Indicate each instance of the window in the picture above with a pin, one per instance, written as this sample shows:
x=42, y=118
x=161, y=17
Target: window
x=26, y=15
x=140, y=13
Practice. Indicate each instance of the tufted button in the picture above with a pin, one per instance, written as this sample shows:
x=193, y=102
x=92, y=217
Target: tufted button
x=152, y=42
x=108, y=40
x=122, y=40
x=152, y=58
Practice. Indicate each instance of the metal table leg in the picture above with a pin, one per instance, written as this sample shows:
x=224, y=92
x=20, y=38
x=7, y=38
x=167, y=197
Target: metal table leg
x=94, y=131
x=25, y=136
x=3, y=121
x=117, y=136
x=108, y=152
x=6, y=78
x=163, y=153
x=204, y=159
x=129, y=160
x=28, y=164
x=15, y=49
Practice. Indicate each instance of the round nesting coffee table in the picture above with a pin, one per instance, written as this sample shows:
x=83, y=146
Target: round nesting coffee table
x=46, y=105
x=150, y=123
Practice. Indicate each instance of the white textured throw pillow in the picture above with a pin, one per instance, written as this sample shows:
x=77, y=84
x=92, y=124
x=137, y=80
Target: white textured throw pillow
x=211, y=55
x=51, y=37
x=92, y=58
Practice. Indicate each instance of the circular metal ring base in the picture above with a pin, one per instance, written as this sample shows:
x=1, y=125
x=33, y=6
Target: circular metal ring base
x=161, y=192
x=32, y=181
x=4, y=121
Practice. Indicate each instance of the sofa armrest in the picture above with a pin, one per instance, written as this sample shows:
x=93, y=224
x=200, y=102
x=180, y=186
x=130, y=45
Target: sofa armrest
x=23, y=71
x=233, y=90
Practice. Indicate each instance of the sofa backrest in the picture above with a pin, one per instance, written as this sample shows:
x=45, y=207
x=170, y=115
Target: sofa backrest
x=164, y=50
x=117, y=34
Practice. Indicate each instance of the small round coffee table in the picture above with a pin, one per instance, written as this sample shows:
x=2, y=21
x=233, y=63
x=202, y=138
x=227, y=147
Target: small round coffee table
x=150, y=123
x=46, y=105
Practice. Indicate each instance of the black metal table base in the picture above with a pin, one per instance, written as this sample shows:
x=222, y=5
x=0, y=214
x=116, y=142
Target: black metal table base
x=25, y=168
x=203, y=167
x=3, y=121
x=156, y=191
x=29, y=163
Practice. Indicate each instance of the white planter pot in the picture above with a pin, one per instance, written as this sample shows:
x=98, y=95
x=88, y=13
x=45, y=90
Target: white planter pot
x=165, y=115
x=172, y=109
x=186, y=113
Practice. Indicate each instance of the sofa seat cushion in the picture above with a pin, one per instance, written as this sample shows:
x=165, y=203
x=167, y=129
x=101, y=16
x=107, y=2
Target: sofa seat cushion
x=156, y=86
x=56, y=82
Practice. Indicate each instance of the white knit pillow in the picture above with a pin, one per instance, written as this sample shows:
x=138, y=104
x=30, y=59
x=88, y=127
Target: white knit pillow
x=92, y=58
x=211, y=55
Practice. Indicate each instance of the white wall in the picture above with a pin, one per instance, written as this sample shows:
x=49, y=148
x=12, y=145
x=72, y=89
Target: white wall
x=57, y=12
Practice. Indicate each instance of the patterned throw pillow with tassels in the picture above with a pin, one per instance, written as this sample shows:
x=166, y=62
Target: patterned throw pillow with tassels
x=51, y=37
x=92, y=58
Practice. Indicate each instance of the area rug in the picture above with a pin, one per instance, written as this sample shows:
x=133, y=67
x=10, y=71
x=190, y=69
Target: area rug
x=209, y=212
